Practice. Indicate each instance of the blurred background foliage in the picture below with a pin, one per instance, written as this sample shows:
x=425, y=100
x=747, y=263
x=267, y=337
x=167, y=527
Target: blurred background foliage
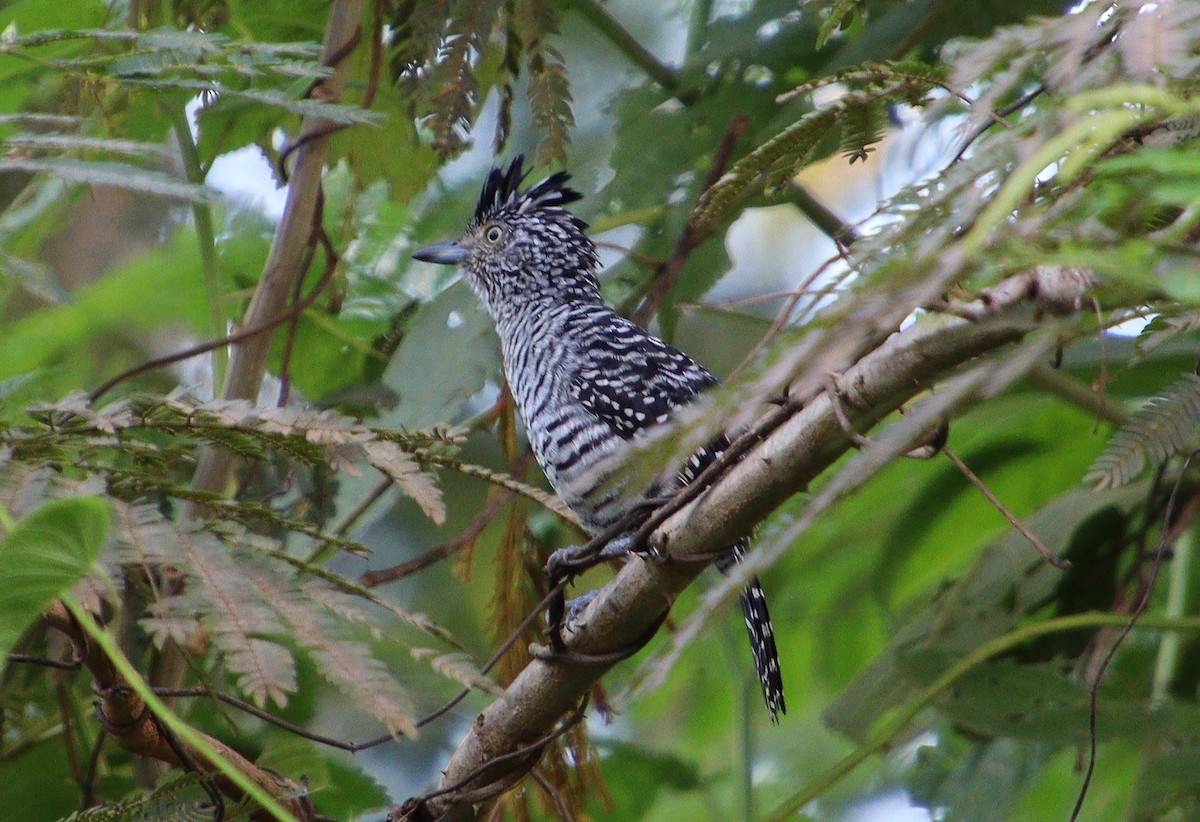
x=138, y=201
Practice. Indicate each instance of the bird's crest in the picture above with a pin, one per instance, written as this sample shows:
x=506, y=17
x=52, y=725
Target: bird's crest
x=502, y=194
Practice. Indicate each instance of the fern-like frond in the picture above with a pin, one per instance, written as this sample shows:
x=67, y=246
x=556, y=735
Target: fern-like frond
x=781, y=157
x=918, y=76
x=456, y=88
x=142, y=536
x=1162, y=329
x=167, y=801
x=550, y=502
x=862, y=127
x=404, y=470
x=1162, y=428
x=458, y=667
x=549, y=91
x=339, y=587
x=237, y=618
x=347, y=664
x=416, y=35
x=306, y=436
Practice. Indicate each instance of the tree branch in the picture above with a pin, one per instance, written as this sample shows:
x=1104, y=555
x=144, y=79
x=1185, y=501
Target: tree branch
x=131, y=724
x=799, y=450
x=249, y=361
x=603, y=21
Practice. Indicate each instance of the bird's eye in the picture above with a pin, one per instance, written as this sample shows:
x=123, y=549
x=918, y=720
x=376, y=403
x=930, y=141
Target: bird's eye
x=493, y=234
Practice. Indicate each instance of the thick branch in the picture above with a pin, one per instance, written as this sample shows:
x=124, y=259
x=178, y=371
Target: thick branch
x=632, y=605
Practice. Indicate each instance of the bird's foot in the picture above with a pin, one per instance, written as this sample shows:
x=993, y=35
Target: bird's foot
x=575, y=559
x=568, y=562
x=573, y=607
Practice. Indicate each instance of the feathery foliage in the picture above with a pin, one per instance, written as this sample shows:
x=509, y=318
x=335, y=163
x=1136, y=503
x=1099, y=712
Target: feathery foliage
x=1077, y=138
x=1165, y=426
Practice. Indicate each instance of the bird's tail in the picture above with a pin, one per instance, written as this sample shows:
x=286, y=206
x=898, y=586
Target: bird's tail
x=762, y=637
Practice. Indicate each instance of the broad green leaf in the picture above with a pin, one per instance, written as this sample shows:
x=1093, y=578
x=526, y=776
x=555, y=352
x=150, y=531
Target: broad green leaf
x=161, y=286
x=978, y=782
x=37, y=784
x=449, y=353
x=340, y=788
x=1008, y=581
x=43, y=554
x=646, y=776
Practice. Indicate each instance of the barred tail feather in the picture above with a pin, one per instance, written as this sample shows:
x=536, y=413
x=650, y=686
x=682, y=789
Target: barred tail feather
x=762, y=645
x=762, y=636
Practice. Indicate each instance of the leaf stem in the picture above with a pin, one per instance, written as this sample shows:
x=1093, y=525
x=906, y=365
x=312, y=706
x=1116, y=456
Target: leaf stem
x=627, y=44
x=883, y=738
x=1168, y=649
x=698, y=27
x=1072, y=391
x=821, y=216
x=206, y=239
x=168, y=717
x=743, y=716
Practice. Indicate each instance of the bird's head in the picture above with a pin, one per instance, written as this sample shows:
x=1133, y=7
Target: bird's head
x=522, y=244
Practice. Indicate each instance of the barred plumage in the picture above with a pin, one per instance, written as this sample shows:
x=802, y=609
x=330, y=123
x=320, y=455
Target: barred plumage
x=586, y=381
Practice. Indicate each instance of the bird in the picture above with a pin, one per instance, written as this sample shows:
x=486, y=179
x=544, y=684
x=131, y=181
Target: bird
x=587, y=382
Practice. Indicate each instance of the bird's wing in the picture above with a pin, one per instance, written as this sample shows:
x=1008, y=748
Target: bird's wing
x=632, y=380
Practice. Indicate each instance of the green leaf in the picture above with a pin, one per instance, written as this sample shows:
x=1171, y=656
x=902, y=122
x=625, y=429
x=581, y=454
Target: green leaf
x=450, y=329
x=45, y=553
x=644, y=776
x=977, y=782
x=1008, y=581
x=158, y=287
x=340, y=788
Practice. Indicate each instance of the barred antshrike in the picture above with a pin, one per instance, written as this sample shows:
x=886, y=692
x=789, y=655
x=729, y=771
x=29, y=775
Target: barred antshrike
x=586, y=380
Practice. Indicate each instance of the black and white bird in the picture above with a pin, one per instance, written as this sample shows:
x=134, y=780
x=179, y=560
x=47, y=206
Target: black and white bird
x=586, y=380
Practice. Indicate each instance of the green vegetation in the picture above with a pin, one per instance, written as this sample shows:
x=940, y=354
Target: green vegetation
x=270, y=597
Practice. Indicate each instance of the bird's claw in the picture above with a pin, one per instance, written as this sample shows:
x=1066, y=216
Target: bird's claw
x=575, y=559
x=574, y=607
x=566, y=563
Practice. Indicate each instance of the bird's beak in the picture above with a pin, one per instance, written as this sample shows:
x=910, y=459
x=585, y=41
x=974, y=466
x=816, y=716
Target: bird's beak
x=448, y=253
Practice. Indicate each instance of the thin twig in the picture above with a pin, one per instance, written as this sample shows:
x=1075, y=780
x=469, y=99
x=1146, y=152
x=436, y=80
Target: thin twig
x=554, y=592
x=821, y=216
x=69, y=732
x=255, y=711
x=468, y=535
x=560, y=804
x=535, y=747
x=607, y=25
x=495, y=504
x=631, y=253
x=754, y=299
x=93, y=773
x=1170, y=532
x=355, y=514
x=1039, y=546
x=997, y=117
x=693, y=234
x=73, y=665
x=232, y=339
